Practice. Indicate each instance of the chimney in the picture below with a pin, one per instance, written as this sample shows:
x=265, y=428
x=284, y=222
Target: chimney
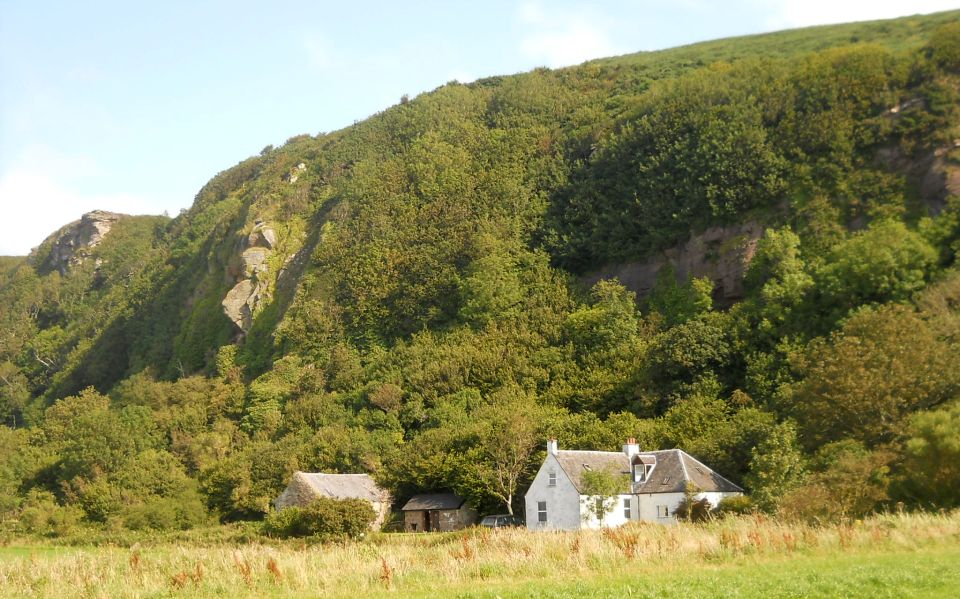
x=552, y=446
x=631, y=447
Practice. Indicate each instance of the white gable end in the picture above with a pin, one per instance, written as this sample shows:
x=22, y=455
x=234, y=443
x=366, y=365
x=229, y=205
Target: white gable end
x=552, y=502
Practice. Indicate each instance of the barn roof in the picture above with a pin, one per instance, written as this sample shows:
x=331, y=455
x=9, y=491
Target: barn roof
x=434, y=501
x=674, y=468
x=342, y=486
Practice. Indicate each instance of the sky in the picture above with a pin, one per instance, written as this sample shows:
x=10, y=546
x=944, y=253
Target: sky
x=133, y=106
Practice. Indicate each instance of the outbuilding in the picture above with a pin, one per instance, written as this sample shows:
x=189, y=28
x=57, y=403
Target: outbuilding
x=437, y=512
x=306, y=487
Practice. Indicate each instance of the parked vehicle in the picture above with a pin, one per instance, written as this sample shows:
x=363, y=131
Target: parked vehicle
x=501, y=521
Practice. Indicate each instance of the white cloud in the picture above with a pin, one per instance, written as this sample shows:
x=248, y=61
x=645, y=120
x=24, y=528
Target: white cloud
x=559, y=37
x=36, y=200
x=801, y=13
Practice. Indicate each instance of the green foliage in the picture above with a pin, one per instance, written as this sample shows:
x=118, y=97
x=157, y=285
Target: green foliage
x=692, y=509
x=931, y=468
x=679, y=303
x=736, y=505
x=885, y=363
x=776, y=468
x=944, y=47
x=888, y=262
x=323, y=518
x=422, y=319
x=847, y=482
x=602, y=489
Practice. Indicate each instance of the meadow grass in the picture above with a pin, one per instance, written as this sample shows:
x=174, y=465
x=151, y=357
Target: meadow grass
x=891, y=555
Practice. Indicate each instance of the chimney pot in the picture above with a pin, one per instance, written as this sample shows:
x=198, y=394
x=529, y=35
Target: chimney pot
x=552, y=446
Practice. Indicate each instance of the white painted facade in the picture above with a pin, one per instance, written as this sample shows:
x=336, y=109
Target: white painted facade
x=567, y=509
x=561, y=498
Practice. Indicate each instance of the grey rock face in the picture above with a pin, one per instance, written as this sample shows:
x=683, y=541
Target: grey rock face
x=721, y=254
x=74, y=241
x=251, y=288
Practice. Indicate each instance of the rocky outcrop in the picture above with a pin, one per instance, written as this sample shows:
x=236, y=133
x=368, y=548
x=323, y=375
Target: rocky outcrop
x=251, y=287
x=294, y=173
x=720, y=254
x=72, y=243
x=934, y=176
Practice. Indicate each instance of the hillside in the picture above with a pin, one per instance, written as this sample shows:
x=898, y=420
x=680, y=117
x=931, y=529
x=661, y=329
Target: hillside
x=745, y=248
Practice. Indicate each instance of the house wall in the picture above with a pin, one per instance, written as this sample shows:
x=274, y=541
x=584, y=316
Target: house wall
x=563, y=500
x=648, y=504
x=457, y=519
x=382, y=510
x=611, y=519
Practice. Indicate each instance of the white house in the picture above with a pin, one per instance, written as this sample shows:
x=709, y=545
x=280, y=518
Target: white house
x=655, y=483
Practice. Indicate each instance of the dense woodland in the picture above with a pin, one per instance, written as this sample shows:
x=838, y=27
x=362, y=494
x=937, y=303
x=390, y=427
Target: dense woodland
x=425, y=317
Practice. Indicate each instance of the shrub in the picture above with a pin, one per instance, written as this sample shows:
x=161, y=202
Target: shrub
x=733, y=506
x=323, y=518
x=42, y=514
x=694, y=510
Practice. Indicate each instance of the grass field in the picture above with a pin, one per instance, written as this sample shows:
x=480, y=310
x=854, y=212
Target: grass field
x=886, y=556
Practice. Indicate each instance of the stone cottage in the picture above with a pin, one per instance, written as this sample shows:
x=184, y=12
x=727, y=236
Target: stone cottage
x=305, y=487
x=438, y=512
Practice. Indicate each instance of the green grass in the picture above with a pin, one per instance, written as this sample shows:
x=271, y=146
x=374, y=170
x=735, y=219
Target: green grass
x=928, y=572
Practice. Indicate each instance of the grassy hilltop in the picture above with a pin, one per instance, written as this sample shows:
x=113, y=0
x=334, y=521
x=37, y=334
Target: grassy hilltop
x=745, y=248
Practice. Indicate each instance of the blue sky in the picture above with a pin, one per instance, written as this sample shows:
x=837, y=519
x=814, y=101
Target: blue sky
x=133, y=106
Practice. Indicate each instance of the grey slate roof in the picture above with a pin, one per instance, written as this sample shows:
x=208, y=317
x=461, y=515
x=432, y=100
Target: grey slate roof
x=674, y=468
x=342, y=486
x=434, y=501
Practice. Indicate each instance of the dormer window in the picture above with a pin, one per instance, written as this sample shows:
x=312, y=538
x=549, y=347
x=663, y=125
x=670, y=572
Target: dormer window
x=641, y=467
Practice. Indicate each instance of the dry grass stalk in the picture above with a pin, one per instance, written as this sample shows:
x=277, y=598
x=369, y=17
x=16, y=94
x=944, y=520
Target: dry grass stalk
x=179, y=580
x=274, y=569
x=386, y=573
x=135, y=562
x=243, y=566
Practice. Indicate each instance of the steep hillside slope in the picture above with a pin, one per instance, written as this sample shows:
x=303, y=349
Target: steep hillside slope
x=434, y=281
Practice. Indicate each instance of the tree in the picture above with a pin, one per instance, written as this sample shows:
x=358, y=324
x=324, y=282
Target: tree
x=508, y=438
x=887, y=262
x=776, y=468
x=930, y=471
x=883, y=365
x=602, y=488
x=847, y=481
x=679, y=303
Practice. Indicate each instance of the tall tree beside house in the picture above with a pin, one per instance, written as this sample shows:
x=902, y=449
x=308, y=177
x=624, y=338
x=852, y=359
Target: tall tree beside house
x=603, y=487
x=508, y=437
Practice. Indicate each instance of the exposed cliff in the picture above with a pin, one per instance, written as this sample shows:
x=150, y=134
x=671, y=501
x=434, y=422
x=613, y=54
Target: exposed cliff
x=73, y=242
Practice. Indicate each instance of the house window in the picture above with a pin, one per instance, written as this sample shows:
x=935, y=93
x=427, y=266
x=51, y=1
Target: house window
x=638, y=473
x=663, y=511
x=626, y=508
x=541, y=511
x=552, y=479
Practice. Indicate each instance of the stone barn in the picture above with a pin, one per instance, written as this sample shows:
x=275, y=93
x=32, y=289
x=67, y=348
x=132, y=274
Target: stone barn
x=437, y=512
x=305, y=487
